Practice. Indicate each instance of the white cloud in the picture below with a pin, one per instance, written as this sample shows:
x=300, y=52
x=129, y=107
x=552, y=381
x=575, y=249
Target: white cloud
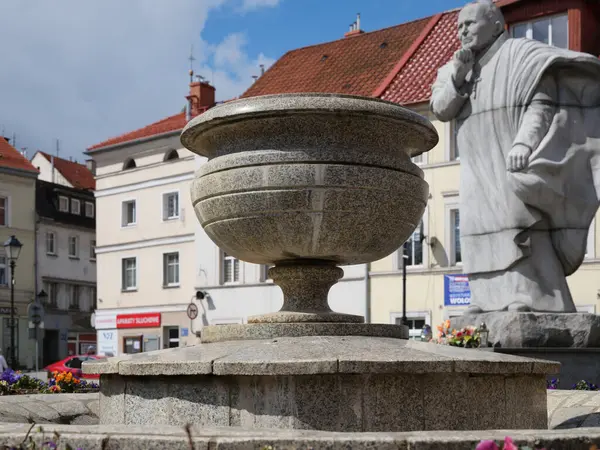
x=86, y=71
x=249, y=5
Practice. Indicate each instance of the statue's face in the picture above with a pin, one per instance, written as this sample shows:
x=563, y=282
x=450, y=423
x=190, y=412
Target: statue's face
x=475, y=30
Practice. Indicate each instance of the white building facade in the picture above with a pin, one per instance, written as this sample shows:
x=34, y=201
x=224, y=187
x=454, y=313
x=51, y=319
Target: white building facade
x=145, y=245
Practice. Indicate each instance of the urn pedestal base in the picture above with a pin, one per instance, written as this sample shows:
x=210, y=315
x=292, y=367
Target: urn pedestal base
x=334, y=383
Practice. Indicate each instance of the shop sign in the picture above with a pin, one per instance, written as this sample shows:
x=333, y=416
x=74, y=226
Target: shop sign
x=107, y=343
x=146, y=320
x=456, y=290
x=105, y=321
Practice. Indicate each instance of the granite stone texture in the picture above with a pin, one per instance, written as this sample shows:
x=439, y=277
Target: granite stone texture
x=335, y=383
x=336, y=187
x=523, y=330
x=132, y=437
x=270, y=330
x=526, y=117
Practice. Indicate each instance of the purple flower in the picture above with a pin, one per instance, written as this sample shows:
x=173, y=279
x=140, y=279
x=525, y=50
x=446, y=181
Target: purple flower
x=49, y=444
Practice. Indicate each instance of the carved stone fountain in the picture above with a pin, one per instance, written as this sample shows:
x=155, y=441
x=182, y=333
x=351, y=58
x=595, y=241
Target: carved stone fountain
x=308, y=183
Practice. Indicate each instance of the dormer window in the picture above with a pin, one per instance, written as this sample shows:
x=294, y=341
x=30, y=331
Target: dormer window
x=63, y=203
x=129, y=164
x=171, y=155
x=75, y=206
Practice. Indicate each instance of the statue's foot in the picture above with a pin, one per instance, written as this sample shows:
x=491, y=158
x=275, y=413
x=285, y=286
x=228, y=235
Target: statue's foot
x=473, y=309
x=518, y=307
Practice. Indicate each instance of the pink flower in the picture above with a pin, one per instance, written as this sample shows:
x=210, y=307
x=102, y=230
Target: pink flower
x=487, y=445
x=509, y=445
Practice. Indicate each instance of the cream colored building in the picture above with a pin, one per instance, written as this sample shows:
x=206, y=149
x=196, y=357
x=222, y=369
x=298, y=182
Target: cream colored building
x=145, y=228
x=17, y=217
x=439, y=253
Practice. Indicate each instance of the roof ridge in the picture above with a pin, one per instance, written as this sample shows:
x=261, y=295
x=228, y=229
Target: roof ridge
x=357, y=36
x=408, y=54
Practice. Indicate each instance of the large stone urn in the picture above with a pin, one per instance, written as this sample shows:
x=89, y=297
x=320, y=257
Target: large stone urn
x=308, y=183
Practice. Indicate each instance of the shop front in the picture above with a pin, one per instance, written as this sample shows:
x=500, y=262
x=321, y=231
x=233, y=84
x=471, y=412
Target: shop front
x=131, y=331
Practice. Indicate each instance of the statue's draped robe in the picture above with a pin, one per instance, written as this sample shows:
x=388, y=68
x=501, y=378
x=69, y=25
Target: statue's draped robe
x=523, y=232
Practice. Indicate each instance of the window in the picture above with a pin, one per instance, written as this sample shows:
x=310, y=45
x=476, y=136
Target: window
x=549, y=30
x=89, y=209
x=231, y=269
x=52, y=291
x=128, y=213
x=63, y=203
x=265, y=272
x=75, y=206
x=171, y=269
x=129, y=274
x=50, y=243
x=172, y=155
x=94, y=303
x=416, y=322
x=75, y=297
x=414, y=248
x=171, y=205
x=93, y=250
x=3, y=212
x=129, y=164
x=452, y=145
x=73, y=246
x=456, y=256
x=172, y=337
x=3, y=270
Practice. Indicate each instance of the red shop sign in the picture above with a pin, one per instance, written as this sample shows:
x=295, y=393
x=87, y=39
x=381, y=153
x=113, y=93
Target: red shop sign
x=147, y=320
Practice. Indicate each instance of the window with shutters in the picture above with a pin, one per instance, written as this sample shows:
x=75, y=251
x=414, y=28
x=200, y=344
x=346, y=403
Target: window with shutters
x=231, y=269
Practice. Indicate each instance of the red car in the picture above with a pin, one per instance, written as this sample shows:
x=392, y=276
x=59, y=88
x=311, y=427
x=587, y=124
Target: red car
x=71, y=364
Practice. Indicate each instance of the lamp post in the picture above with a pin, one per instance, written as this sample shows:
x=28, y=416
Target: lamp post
x=13, y=248
x=42, y=296
x=404, y=258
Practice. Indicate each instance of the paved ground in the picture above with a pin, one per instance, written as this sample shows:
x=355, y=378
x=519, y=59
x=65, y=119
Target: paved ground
x=573, y=409
x=80, y=409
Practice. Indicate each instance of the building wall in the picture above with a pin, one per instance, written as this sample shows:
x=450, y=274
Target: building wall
x=425, y=283
x=147, y=240
x=20, y=192
x=64, y=270
x=46, y=172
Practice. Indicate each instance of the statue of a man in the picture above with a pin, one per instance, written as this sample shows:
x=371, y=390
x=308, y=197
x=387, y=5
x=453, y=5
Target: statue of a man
x=528, y=130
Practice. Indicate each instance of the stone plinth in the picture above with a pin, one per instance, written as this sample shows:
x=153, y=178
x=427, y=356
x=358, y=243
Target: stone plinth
x=541, y=330
x=332, y=383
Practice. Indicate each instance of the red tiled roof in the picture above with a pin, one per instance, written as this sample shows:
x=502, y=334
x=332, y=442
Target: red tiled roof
x=12, y=159
x=76, y=174
x=354, y=65
x=171, y=123
x=412, y=84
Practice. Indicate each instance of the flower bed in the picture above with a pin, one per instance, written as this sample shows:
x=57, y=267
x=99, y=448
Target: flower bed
x=17, y=383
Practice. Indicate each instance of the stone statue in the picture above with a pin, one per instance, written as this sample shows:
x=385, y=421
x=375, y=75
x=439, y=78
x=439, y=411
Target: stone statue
x=528, y=127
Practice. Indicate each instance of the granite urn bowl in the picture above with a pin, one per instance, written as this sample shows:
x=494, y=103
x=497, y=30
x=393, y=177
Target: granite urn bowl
x=307, y=183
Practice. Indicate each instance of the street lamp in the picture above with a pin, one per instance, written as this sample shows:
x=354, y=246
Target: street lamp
x=13, y=248
x=404, y=260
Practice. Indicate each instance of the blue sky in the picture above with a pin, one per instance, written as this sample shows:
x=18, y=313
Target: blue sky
x=83, y=72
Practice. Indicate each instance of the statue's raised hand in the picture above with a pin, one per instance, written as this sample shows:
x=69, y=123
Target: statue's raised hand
x=463, y=63
x=518, y=158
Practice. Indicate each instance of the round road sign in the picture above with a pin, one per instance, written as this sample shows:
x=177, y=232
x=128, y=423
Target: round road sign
x=192, y=311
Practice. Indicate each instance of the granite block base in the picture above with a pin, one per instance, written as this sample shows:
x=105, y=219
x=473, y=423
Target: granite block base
x=541, y=330
x=331, y=383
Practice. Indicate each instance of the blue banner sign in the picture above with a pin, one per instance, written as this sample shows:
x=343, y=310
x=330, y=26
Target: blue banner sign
x=456, y=290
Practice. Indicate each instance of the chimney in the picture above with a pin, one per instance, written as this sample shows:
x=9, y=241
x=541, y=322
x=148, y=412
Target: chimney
x=91, y=165
x=354, y=28
x=201, y=97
